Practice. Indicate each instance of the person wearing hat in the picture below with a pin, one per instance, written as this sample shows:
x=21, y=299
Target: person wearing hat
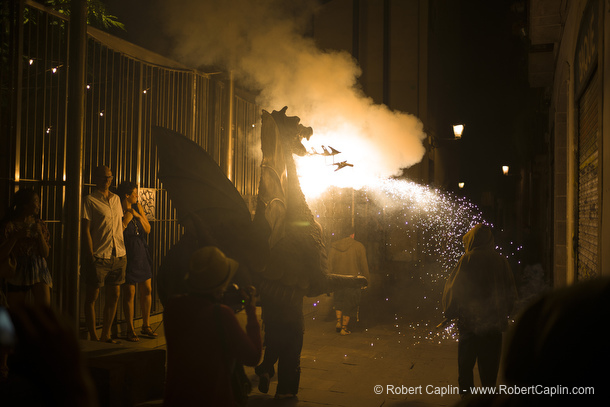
x=197, y=351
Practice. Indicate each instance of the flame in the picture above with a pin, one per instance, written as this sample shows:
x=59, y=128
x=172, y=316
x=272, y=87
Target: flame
x=317, y=172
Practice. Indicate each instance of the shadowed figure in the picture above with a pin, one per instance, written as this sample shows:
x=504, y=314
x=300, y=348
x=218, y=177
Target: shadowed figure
x=557, y=353
x=47, y=367
x=480, y=293
x=24, y=240
x=347, y=257
x=202, y=356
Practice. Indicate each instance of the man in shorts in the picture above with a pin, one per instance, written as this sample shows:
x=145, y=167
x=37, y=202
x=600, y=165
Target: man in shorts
x=104, y=256
x=347, y=257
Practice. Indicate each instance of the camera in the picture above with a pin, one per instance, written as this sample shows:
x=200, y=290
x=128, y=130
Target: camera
x=235, y=298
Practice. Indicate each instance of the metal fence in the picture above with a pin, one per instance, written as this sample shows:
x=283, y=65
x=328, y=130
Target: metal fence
x=128, y=91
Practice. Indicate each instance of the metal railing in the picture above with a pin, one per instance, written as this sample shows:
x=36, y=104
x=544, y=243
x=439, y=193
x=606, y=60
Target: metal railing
x=128, y=90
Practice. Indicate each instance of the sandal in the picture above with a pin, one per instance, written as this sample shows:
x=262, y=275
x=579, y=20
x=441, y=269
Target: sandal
x=132, y=337
x=147, y=331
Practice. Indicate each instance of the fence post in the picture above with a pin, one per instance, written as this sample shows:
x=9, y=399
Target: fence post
x=74, y=157
x=230, y=114
x=16, y=10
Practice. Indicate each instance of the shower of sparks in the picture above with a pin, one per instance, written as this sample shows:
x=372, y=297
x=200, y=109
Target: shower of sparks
x=414, y=232
x=422, y=228
x=437, y=221
x=431, y=223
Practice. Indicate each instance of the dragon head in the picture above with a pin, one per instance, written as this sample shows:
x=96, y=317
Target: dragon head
x=291, y=131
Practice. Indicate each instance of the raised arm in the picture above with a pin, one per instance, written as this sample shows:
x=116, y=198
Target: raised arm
x=143, y=219
x=42, y=238
x=246, y=346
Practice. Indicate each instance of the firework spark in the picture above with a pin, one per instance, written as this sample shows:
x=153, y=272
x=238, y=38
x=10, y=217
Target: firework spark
x=418, y=227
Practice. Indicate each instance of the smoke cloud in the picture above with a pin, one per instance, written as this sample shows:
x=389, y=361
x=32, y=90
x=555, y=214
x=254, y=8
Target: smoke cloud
x=262, y=41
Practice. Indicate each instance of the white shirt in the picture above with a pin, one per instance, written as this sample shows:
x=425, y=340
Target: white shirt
x=105, y=218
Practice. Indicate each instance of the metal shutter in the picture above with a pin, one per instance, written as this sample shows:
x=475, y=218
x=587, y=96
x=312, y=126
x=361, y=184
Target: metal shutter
x=588, y=182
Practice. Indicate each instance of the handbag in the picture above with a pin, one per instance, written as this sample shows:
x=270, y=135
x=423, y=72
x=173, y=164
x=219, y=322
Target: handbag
x=240, y=383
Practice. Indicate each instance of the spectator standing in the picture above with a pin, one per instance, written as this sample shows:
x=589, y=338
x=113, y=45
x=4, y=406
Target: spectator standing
x=139, y=264
x=104, y=256
x=347, y=257
x=25, y=238
x=480, y=293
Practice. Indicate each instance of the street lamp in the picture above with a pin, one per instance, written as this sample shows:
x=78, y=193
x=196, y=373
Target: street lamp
x=460, y=185
x=434, y=140
x=505, y=169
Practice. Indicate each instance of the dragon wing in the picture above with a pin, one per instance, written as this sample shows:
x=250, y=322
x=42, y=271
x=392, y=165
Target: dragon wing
x=208, y=206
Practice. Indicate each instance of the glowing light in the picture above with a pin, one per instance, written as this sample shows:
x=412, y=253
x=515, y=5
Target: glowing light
x=88, y=86
x=54, y=70
x=31, y=61
x=319, y=172
x=460, y=185
x=505, y=169
x=458, y=129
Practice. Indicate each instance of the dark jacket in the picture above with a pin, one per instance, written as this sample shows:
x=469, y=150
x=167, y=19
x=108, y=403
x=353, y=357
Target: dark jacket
x=198, y=371
x=480, y=292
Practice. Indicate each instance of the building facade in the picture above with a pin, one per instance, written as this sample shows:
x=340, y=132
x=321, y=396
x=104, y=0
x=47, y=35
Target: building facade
x=570, y=59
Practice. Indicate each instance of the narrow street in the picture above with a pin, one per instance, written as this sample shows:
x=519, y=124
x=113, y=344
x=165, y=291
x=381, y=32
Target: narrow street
x=394, y=344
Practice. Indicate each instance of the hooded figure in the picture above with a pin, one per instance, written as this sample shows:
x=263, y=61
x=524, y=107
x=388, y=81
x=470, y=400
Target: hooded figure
x=480, y=293
x=347, y=257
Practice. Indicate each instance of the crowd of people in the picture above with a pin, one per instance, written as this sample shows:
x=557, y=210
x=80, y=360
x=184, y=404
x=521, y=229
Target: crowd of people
x=207, y=347
x=115, y=254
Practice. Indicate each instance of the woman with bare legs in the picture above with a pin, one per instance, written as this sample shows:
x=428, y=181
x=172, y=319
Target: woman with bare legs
x=139, y=264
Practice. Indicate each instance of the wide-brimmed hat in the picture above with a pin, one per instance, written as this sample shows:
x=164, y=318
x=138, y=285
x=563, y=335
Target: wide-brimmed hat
x=209, y=270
